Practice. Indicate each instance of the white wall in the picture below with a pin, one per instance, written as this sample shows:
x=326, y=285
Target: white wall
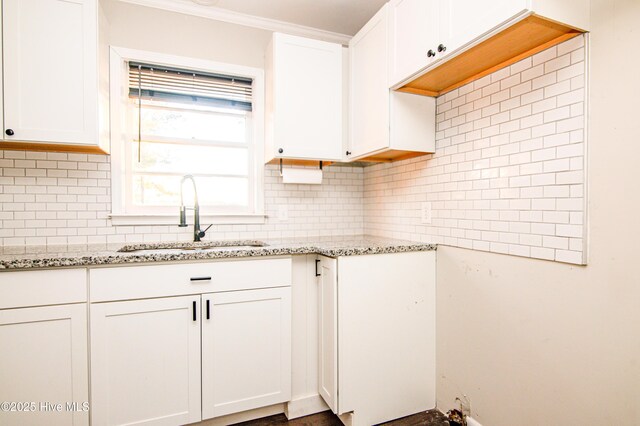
x=542, y=343
x=145, y=28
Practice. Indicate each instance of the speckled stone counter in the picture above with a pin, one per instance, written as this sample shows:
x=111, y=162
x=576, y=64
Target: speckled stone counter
x=30, y=257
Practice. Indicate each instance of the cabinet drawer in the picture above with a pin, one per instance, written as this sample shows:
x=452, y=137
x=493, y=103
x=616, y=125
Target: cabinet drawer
x=20, y=289
x=138, y=282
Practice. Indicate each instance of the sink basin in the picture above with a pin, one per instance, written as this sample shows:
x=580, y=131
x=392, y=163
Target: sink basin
x=190, y=247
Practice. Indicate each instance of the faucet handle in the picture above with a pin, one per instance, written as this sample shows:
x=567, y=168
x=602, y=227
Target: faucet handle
x=203, y=232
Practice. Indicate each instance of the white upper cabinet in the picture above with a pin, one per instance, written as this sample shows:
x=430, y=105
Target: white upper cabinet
x=384, y=125
x=414, y=30
x=50, y=72
x=425, y=31
x=369, y=86
x=462, y=21
x=437, y=45
x=304, y=117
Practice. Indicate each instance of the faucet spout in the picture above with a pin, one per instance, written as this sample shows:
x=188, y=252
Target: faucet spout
x=198, y=233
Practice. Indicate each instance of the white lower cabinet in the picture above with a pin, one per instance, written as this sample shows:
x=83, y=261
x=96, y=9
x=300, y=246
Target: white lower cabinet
x=377, y=335
x=43, y=363
x=246, y=350
x=145, y=362
x=328, y=331
x=172, y=359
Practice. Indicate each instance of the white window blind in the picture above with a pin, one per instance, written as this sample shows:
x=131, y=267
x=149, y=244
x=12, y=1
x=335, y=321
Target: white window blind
x=153, y=82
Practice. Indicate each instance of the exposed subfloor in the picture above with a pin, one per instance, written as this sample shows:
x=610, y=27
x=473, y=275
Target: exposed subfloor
x=327, y=418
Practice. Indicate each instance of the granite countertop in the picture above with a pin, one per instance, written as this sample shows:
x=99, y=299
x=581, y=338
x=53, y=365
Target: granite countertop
x=30, y=257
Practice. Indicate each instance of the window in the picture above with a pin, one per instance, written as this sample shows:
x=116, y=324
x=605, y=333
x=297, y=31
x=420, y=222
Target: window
x=187, y=121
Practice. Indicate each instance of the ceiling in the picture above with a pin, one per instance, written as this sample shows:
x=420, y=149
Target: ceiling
x=340, y=16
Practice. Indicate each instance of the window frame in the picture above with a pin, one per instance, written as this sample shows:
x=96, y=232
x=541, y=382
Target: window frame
x=119, y=106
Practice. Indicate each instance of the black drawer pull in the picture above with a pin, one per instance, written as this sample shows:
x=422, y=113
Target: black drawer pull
x=317, y=261
x=194, y=311
x=200, y=278
x=208, y=316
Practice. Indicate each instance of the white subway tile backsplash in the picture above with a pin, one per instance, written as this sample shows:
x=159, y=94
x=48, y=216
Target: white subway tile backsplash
x=571, y=45
x=557, y=63
x=521, y=65
x=70, y=202
x=545, y=55
x=502, y=183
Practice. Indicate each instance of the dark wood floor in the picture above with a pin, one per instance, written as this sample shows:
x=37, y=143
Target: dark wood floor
x=327, y=418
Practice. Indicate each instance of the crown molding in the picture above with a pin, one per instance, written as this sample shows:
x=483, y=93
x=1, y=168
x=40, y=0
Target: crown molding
x=188, y=7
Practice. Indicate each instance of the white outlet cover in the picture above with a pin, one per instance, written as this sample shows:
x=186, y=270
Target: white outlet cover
x=283, y=213
x=425, y=212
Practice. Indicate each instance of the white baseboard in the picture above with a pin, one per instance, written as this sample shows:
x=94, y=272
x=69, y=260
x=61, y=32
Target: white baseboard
x=245, y=416
x=472, y=422
x=305, y=406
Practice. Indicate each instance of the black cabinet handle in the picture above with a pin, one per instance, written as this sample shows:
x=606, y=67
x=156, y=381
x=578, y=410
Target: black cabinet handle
x=194, y=311
x=348, y=152
x=442, y=48
x=317, y=261
x=280, y=150
x=9, y=132
x=431, y=53
x=200, y=278
x=208, y=316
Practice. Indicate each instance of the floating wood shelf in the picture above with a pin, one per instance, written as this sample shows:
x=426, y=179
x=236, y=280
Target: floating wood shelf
x=525, y=38
x=50, y=147
x=392, y=155
x=294, y=162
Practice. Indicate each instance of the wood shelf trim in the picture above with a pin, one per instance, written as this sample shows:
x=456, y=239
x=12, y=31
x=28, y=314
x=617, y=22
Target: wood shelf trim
x=51, y=147
x=391, y=156
x=416, y=91
x=295, y=162
x=524, y=38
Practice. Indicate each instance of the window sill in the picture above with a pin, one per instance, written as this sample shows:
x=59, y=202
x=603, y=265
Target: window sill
x=217, y=219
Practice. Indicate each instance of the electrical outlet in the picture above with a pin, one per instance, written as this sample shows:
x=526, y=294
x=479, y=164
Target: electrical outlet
x=426, y=212
x=283, y=213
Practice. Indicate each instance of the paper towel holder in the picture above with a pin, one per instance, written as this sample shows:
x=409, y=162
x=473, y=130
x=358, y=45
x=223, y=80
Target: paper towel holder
x=319, y=165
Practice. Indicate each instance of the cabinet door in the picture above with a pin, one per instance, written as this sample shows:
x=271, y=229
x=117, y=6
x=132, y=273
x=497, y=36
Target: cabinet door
x=370, y=87
x=307, y=78
x=413, y=31
x=145, y=362
x=246, y=350
x=462, y=21
x=50, y=70
x=44, y=359
x=386, y=335
x=328, y=332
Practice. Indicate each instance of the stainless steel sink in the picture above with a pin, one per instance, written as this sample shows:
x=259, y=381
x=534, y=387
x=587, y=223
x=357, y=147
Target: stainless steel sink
x=191, y=247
